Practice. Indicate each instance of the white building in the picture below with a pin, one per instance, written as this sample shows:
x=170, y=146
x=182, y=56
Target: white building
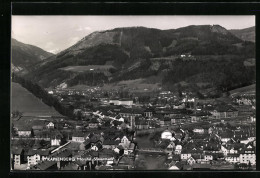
x=55, y=142
x=248, y=155
x=232, y=158
x=185, y=156
x=50, y=125
x=198, y=131
x=128, y=102
x=178, y=149
x=166, y=135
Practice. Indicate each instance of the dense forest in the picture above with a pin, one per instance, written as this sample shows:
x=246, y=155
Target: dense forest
x=223, y=74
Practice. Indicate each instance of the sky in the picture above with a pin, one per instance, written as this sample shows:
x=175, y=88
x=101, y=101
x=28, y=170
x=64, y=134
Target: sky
x=56, y=33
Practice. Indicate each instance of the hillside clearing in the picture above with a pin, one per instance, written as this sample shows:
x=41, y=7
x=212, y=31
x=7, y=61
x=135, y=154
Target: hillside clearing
x=25, y=102
x=251, y=89
x=87, y=68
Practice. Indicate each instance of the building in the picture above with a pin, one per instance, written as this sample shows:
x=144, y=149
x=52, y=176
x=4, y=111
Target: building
x=24, y=131
x=191, y=160
x=78, y=137
x=166, y=135
x=178, y=149
x=18, y=155
x=224, y=111
x=124, y=101
x=35, y=156
x=165, y=121
x=185, y=155
x=232, y=158
x=141, y=124
x=148, y=112
x=248, y=155
x=50, y=125
x=198, y=130
x=55, y=141
x=208, y=157
x=178, y=119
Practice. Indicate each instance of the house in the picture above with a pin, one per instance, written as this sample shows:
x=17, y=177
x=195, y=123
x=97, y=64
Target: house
x=166, y=135
x=232, y=158
x=141, y=124
x=166, y=121
x=185, y=154
x=78, y=137
x=208, y=157
x=130, y=149
x=248, y=155
x=191, y=160
x=170, y=147
x=50, y=125
x=196, y=117
x=55, y=141
x=125, y=142
x=18, y=156
x=24, y=131
x=178, y=149
x=178, y=119
x=114, y=101
x=126, y=101
x=148, y=112
x=35, y=156
x=224, y=111
x=56, y=137
x=198, y=130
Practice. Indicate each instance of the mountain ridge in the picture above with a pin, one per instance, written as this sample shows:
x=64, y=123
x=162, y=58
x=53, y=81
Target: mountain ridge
x=130, y=50
x=26, y=55
x=246, y=34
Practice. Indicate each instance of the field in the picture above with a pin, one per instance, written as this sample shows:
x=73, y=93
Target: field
x=251, y=89
x=87, y=68
x=25, y=102
x=137, y=85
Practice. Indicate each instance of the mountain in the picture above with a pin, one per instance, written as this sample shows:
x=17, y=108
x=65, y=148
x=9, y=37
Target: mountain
x=139, y=52
x=247, y=34
x=25, y=55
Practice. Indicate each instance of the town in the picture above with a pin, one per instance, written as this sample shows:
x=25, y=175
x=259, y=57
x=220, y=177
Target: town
x=122, y=130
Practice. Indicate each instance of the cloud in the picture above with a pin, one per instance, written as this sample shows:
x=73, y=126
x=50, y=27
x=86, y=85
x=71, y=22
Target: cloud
x=79, y=29
x=87, y=28
x=55, y=51
x=83, y=28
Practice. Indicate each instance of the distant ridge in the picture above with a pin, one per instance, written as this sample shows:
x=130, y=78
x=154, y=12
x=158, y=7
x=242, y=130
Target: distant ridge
x=246, y=34
x=25, y=55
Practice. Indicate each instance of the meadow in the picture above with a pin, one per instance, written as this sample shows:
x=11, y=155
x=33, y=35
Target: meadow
x=25, y=102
